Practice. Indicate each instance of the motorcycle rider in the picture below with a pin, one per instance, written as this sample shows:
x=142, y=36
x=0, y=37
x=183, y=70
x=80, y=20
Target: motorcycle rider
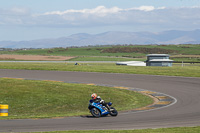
x=97, y=99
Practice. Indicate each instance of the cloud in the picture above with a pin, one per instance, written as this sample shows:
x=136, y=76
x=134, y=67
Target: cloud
x=100, y=10
x=15, y=11
x=148, y=16
x=99, y=16
x=97, y=10
x=14, y=16
x=144, y=8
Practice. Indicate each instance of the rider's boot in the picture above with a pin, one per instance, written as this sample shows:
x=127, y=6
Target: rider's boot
x=109, y=109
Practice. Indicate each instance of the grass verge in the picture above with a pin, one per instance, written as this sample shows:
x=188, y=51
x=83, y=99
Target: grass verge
x=45, y=99
x=186, y=71
x=160, y=130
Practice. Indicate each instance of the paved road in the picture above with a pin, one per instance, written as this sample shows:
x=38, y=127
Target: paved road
x=186, y=111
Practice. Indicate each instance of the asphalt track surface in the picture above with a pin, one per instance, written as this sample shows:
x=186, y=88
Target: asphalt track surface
x=185, y=112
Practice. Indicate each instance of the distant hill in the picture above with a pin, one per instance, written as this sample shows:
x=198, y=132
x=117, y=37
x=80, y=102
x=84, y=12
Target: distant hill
x=111, y=38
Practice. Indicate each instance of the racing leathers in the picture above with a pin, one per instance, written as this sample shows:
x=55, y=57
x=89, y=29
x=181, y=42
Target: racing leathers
x=99, y=100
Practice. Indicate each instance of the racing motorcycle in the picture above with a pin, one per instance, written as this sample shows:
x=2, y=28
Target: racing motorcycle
x=98, y=110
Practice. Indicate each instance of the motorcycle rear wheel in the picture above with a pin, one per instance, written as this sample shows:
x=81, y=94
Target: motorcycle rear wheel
x=95, y=112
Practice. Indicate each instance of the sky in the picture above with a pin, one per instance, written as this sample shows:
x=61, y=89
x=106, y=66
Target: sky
x=22, y=20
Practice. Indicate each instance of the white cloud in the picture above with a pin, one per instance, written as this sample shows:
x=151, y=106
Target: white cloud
x=145, y=8
x=97, y=10
x=99, y=15
x=101, y=10
x=148, y=16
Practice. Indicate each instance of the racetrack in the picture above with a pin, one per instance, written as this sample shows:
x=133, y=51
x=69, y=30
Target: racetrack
x=186, y=111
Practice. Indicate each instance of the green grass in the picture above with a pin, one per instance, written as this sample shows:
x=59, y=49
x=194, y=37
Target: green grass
x=44, y=99
x=160, y=130
x=97, y=51
x=192, y=59
x=80, y=52
x=176, y=70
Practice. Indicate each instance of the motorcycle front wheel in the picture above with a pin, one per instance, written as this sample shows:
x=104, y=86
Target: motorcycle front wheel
x=95, y=112
x=113, y=112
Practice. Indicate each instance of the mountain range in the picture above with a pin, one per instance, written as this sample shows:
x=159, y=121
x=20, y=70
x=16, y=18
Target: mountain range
x=110, y=38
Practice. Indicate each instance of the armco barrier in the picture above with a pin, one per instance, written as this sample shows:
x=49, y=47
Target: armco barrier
x=3, y=110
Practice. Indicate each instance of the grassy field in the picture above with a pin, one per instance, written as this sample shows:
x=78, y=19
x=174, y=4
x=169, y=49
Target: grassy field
x=131, y=51
x=44, y=99
x=98, y=51
x=160, y=130
x=186, y=71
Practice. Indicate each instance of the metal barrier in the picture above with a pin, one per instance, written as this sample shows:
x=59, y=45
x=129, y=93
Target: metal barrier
x=3, y=110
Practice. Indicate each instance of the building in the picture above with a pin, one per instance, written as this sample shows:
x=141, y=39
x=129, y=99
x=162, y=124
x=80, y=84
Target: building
x=158, y=60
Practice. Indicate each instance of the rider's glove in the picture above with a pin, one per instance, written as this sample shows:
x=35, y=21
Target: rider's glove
x=102, y=101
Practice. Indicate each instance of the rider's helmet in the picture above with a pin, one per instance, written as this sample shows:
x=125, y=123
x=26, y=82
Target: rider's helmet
x=94, y=96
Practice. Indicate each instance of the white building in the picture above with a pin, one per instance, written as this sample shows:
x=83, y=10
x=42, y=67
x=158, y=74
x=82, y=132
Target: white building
x=158, y=60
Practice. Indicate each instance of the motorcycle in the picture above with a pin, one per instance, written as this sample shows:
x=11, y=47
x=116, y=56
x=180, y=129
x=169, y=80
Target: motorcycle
x=98, y=110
